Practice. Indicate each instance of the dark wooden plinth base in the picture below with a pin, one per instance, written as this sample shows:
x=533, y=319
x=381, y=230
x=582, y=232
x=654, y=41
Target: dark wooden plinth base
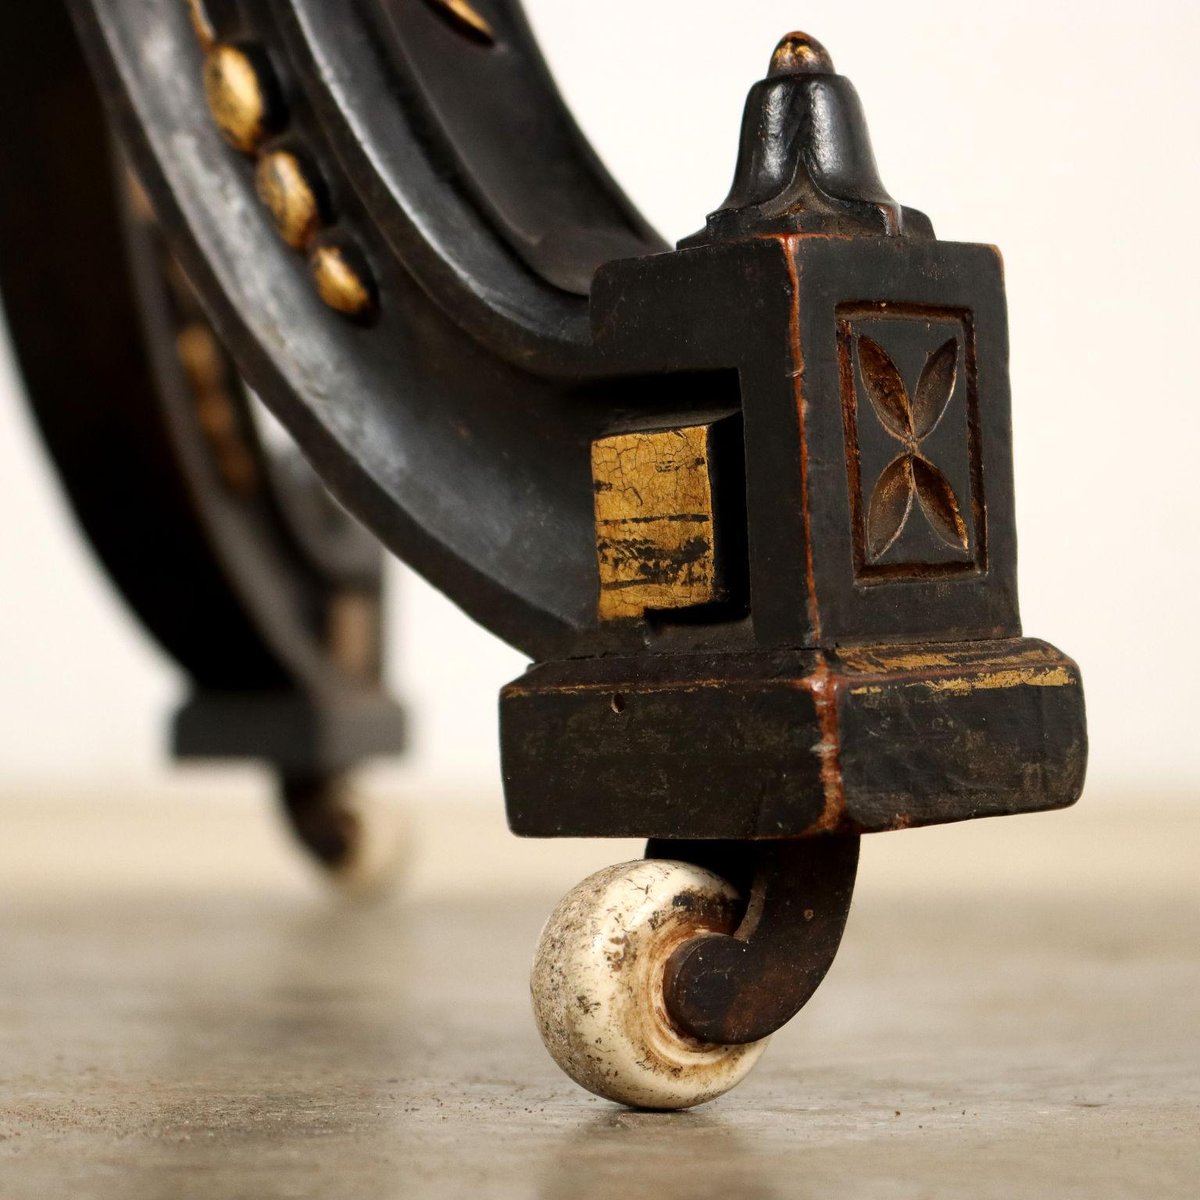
x=791, y=743
x=299, y=736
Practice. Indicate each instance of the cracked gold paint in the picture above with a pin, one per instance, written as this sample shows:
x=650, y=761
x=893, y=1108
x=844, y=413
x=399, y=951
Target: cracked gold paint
x=963, y=657
x=655, y=543
x=1054, y=677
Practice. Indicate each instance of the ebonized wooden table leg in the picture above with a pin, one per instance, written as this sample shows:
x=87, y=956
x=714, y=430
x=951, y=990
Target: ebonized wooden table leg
x=221, y=539
x=747, y=502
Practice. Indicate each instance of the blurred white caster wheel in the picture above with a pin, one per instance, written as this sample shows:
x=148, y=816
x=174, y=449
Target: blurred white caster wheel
x=598, y=985
x=359, y=839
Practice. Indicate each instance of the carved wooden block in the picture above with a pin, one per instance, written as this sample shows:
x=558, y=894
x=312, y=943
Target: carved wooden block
x=873, y=379
x=795, y=742
x=656, y=540
x=907, y=441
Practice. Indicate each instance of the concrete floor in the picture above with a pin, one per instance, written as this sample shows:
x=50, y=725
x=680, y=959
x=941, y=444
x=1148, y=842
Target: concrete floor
x=184, y=1015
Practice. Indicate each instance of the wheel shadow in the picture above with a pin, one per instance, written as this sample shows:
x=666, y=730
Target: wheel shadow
x=656, y=1156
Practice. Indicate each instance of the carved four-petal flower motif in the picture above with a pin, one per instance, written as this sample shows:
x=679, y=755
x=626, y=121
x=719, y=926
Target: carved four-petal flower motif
x=910, y=480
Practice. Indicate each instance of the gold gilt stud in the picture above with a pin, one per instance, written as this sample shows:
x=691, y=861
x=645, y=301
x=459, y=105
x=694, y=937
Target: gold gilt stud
x=202, y=24
x=291, y=191
x=342, y=279
x=242, y=95
x=466, y=18
x=204, y=364
x=799, y=54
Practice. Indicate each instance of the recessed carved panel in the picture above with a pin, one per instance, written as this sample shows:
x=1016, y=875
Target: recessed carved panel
x=912, y=442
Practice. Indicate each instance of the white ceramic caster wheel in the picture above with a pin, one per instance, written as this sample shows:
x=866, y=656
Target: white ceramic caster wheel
x=598, y=985
x=359, y=839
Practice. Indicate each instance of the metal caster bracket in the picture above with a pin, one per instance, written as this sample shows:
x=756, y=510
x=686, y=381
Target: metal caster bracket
x=741, y=987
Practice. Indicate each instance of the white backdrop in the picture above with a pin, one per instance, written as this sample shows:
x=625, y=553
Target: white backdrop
x=1066, y=134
